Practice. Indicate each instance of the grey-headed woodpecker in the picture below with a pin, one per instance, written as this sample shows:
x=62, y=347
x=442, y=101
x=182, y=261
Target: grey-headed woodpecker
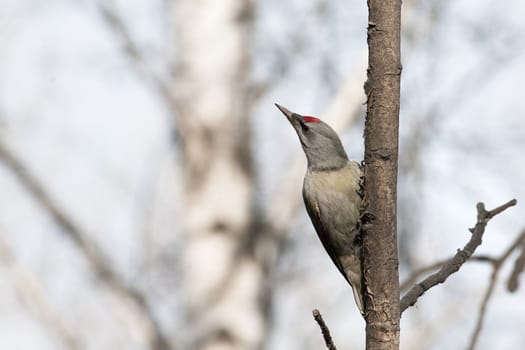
x=331, y=193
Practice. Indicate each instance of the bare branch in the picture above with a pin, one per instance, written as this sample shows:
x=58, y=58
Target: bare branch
x=88, y=248
x=324, y=330
x=496, y=264
x=485, y=216
x=117, y=24
x=454, y=264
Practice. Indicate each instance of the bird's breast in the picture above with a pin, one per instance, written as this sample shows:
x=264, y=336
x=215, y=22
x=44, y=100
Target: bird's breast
x=344, y=180
x=335, y=192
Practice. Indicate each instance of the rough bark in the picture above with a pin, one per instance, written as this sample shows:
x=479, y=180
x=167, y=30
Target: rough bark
x=380, y=179
x=223, y=280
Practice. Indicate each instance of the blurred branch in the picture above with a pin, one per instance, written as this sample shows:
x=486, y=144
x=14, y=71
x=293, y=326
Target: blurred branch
x=496, y=265
x=87, y=247
x=462, y=255
x=118, y=26
x=134, y=53
x=30, y=292
x=324, y=330
x=513, y=284
x=287, y=56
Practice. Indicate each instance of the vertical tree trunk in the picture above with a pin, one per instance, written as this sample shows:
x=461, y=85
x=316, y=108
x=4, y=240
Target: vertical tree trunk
x=381, y=150
x=222, y=280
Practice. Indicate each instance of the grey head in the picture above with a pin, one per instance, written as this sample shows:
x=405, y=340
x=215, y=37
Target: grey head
x=322, y=146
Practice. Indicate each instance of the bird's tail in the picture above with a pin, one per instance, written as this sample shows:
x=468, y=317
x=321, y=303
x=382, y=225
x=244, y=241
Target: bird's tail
x=354, y=276
x=358, y=296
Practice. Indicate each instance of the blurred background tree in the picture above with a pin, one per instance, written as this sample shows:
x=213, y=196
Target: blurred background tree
x=150, y=191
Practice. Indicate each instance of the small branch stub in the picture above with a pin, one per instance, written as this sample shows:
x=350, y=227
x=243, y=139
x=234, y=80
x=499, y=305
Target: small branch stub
x=324, y=330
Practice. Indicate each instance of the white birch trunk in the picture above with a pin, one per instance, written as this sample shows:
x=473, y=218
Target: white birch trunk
x=222, y=281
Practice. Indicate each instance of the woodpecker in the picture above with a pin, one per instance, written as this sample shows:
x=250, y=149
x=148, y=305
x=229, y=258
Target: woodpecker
x=331, y=194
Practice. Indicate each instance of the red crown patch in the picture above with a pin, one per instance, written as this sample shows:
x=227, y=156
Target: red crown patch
x=308, y=119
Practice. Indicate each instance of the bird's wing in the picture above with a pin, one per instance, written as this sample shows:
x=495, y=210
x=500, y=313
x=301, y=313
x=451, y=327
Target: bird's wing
x=314, y=211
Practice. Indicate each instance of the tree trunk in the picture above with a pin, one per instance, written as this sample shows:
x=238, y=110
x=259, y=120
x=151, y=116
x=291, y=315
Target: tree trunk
x=223, y=281
x=381, y=151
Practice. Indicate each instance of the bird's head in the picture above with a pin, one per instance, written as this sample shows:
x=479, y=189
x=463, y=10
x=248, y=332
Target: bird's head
x=322, y=146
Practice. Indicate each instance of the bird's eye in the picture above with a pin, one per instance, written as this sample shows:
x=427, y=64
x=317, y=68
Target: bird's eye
x=304, y=127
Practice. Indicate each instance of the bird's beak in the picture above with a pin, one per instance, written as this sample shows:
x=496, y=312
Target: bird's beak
x=292, y=117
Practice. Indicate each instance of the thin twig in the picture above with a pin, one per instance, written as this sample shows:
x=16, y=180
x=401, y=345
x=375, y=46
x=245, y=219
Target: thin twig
x=324, y=330
x=462, y=255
